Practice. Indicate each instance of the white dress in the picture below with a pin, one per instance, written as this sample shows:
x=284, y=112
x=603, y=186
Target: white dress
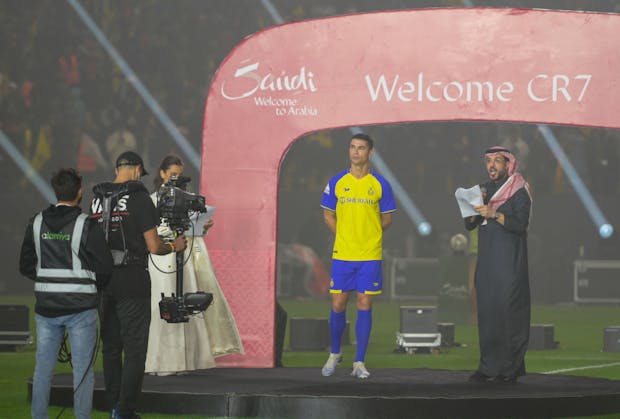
x=179, y=347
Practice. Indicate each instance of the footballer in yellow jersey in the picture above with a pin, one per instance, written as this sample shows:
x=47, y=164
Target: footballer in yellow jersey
x=357, y=205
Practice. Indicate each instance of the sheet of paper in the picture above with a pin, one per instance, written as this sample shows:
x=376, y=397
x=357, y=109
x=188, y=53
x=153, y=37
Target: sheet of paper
x=199, y=220
x=468, y=199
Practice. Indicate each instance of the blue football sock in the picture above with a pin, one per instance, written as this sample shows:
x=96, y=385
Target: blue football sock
x=337, y=323
x=362, y=332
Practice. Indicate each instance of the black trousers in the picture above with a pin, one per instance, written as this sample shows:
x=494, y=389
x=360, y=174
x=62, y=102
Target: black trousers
x=125, y=325
x=281, y=318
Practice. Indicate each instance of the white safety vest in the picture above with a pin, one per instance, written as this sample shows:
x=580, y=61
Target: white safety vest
x=76, y=271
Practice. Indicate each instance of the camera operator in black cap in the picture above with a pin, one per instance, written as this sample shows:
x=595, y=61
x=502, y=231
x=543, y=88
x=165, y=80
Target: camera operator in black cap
x=125, y=212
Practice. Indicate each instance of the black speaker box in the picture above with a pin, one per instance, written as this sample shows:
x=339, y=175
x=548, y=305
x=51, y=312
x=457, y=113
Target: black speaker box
x=14, y=326
x=447, y=333
x=14, y=318
x=541, y=337
x=418, y=319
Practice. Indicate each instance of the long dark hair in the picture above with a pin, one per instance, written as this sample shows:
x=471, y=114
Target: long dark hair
x=169, y=160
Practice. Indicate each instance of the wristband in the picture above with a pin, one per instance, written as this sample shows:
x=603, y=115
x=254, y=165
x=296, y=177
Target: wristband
x=172, y=249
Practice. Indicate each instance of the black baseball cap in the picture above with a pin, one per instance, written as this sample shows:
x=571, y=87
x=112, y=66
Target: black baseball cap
x=130, y=158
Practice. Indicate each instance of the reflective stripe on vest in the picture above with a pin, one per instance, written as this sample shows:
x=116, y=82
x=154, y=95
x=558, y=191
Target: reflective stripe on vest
x=76, y=271
x=52, y=287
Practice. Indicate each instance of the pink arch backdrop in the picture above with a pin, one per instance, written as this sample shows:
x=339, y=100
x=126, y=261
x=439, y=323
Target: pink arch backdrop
x=377, y=68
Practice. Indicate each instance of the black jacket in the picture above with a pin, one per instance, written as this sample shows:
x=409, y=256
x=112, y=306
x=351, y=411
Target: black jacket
x=59, y=290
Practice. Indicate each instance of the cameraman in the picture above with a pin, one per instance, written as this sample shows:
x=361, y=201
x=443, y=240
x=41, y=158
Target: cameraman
x=67, y=257
x=129, y=219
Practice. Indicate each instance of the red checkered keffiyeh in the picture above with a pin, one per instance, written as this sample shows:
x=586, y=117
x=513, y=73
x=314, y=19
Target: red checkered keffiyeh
x=515, y=179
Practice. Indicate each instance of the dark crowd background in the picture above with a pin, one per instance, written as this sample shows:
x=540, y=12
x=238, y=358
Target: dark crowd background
x=64, y=102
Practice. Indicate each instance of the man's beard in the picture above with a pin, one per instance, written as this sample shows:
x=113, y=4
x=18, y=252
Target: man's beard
x=502, y=176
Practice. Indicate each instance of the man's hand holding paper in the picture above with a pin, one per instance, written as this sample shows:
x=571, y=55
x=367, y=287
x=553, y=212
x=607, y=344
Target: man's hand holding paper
x=468, y=199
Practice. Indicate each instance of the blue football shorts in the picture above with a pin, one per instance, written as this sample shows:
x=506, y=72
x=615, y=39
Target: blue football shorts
x=365, y=277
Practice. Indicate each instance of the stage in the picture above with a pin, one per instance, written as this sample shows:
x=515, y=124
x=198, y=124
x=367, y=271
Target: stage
x=297, y=393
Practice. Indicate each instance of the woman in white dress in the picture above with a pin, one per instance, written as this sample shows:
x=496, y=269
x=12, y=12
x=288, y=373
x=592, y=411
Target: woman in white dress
x=175, y=348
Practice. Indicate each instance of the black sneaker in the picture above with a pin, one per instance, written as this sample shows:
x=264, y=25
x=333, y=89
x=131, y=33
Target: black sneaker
x=505, y=380
x=479, y=377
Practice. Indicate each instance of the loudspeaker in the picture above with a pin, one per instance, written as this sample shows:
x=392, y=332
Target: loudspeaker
x=14, y=318
x=541, y=337
x=418, y=319
x=597, y=281
x=447, y=333
x=611, y=339
x=312, y=334
x=14, y=326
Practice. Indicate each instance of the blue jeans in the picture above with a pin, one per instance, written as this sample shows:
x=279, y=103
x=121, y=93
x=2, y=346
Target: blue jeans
x=82, y=330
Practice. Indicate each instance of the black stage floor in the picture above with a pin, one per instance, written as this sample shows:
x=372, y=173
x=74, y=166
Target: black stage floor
x=298, y=393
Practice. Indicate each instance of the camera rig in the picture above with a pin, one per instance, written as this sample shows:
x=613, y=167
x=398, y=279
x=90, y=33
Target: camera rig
x=175, y=206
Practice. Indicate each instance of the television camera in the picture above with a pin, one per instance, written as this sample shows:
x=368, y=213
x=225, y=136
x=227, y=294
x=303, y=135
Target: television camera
x=175, y=206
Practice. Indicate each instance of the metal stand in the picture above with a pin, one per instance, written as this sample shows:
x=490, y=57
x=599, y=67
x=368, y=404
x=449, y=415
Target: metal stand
x=15, y=338
x=412, y=342
x=179, y=257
